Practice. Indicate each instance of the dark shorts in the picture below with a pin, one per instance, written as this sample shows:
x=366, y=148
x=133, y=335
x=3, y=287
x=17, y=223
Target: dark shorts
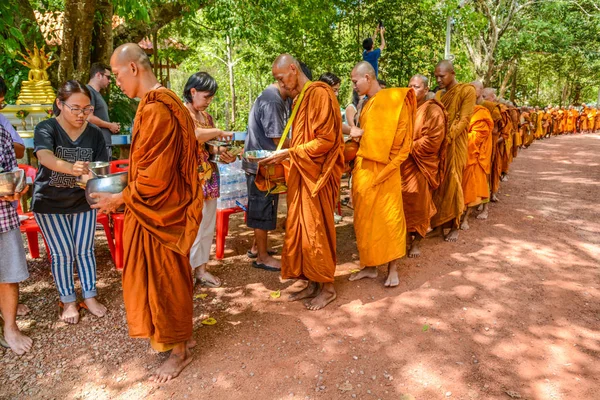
x=262, y=207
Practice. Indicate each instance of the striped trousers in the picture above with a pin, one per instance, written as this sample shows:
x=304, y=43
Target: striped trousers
x=70, y=237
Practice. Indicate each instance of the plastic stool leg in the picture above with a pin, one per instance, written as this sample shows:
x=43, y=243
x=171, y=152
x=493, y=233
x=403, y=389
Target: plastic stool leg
x=109, y=237
x=221, y=233
x=118, y=226
x=32, y=241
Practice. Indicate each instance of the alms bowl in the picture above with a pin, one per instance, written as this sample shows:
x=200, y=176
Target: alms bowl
x=112, y=183
x=12, y=182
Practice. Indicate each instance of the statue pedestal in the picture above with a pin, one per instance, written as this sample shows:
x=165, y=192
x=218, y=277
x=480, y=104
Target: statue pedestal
x=37, y=113
x=36, y=92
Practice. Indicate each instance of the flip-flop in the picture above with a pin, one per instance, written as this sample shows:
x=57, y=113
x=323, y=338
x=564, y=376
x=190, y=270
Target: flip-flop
x=252, y=255
x=265, y=267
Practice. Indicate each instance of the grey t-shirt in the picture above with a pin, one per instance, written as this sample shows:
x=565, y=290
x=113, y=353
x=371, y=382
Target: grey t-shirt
x=101, y=111
x=266, y=122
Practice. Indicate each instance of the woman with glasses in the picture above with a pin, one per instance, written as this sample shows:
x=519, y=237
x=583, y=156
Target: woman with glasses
x=64, y=146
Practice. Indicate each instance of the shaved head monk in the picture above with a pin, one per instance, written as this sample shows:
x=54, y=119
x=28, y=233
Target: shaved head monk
x=163, y=208
x=386, y=129
x=422, y=171
x=316, y=156
x=479, y=161
x=487, y=98
x=458, y=100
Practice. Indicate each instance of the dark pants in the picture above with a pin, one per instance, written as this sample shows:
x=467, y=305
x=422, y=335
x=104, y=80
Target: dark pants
x=262, y=207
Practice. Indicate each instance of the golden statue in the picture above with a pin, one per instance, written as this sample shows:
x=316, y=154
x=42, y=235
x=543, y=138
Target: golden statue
x=37, y=89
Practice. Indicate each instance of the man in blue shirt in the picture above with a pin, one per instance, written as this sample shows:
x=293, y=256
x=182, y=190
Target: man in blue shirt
x=370, y=55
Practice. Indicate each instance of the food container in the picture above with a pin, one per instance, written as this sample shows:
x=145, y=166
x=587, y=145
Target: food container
x=257, y=155
x=350, y=150
x=12, y=182
x=216, y=148
x=100, y=168
x=112, y=183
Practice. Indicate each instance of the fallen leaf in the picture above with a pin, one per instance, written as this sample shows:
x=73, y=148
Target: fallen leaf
x=425, y=328
x=512, y=394
x=345, y=387
x=507, y=195
x=530, y=216
x=209, y=321
x=201, y=296
x=276, y=295
x=354, y=271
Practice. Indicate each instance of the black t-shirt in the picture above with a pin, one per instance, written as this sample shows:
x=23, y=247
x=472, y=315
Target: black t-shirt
x=55, y=192
x=266, y=122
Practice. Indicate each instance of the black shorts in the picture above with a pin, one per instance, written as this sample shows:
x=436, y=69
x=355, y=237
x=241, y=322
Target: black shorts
x=262, y=207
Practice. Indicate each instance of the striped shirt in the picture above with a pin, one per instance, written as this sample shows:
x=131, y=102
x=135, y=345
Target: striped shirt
x=9, y=219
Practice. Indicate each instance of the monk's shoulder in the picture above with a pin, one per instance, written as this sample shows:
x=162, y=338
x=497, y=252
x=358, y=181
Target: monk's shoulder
x=434, y=109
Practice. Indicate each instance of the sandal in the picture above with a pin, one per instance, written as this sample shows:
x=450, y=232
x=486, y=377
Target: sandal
x=252, y=255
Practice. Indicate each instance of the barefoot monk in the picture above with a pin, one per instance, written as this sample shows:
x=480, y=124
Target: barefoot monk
x=316, y=164
x=423, y=169
x=459, y=100
x=386, y=130
x=163, y=208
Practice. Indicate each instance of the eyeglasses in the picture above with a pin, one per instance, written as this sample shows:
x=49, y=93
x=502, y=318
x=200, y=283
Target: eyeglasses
x=107, y=76
x=76, y=110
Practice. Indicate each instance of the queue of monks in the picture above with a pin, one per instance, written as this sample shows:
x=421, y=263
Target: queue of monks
x=425, y=163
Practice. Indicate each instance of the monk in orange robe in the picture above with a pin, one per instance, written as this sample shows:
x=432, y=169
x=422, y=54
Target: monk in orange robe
x=546, y=122
x=316, y=156
x=565, y=120
x=479, y=162
x=529, y=138
x=583, y=119
x=524, y=126
x=555, y=127
x=163, y=209
x=422, y=170
x=458, y=100
x=489, y=101
x=386, y=128
x=515, y=117
x=539, y=128
x=570, y=120
x=507, y=133
x=592, y=119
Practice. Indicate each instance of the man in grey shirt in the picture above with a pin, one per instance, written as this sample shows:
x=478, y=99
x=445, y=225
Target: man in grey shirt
x=266, y=123
x=99, y=80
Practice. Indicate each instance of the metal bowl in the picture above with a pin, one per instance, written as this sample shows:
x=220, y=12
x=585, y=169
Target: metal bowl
x=112, y=183
x=12, y=182
x=257, y=155
x=100, y=168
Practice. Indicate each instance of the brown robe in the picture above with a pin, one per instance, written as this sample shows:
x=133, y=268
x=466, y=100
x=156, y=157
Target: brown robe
x=423, y=170
x=316, y=166
x=163, y=211
x=459, y=102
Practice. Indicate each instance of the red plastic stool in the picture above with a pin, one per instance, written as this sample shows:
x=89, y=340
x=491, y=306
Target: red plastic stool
x=118, y=227
x=31, y=229
x=223, y=229
x=119, y=166
x=103, y=219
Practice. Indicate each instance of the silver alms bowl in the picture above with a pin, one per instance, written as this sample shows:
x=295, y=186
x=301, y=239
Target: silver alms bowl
x=113, y=183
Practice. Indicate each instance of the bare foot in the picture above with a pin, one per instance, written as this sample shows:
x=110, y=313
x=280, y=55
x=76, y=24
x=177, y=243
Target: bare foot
x=171, y=368
x=366, y=272
x=17, y=341
x=205, y=278
x=504, y=177
x=480, y=207
x=452, y=235
x=494, y=198
x=484, y=214
x=392, y=279
x=22, y=310
x=95, y=307
x=414, y=251
x=326, y=296
x=70, y=313
x=191, y=343
x=439, y=231
x=463, y=226
x=311, y=290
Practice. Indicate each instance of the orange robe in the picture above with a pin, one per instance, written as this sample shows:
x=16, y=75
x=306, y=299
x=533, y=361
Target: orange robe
x=496, y=171
x=529, y=135
x=592, y=119
x=316, y=166
x=515, y=117
x=448, y=198
x=388, y=122
x=583, y=119
x=524, y=127
x=163, y=211
x=539, y=127
x=597, y=121
x=479, y=160
x=506, y=132
x=422, y=170
x=565, y=121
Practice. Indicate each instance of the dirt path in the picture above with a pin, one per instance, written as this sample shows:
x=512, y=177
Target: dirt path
x=512, y=309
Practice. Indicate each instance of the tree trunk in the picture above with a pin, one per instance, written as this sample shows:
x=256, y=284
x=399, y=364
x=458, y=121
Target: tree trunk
x=513, y=86
x=65, y=62
x=86, y=11
x=103, y=32
x=230, y=64
x=507, y=79
x=74, y=61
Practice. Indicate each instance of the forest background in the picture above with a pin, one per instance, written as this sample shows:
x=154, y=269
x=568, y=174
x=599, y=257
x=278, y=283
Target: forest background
x=535, y=53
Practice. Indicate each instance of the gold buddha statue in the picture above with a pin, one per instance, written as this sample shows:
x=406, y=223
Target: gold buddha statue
x=37, y=89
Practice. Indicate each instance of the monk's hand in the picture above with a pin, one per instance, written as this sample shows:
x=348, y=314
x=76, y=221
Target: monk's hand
x=500, y=140
x=225, y=136
x=276, y=158
x=107, y=202
x=226, y=158
x=80, y=168
x=16, y=196
x=356, y=132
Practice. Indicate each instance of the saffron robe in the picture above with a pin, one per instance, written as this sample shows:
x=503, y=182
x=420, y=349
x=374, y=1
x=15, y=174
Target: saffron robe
x=507, y=132
x=423, y=170
x=515, y=117
x=448, y=198
x=316, y=166
x=479, y=160
x=163, y=202
x=388, y=120
x=496, y=170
